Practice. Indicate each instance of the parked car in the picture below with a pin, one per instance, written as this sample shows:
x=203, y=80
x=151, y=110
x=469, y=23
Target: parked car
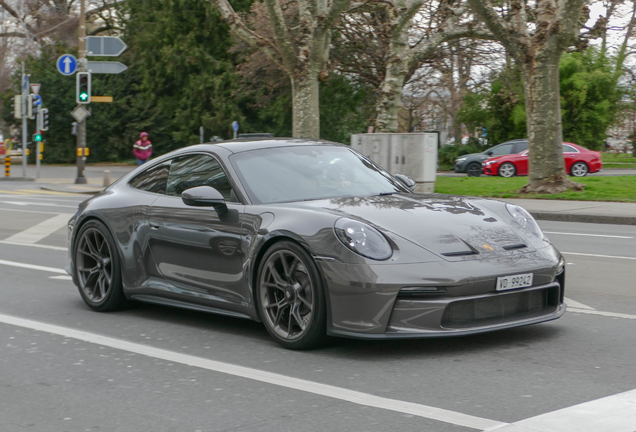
x=311, y=238
x=472, y=163
x=579, y=161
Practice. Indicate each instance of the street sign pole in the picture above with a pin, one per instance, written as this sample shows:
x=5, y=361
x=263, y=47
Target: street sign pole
x=25, y=93
x=81, y=127
x=37, y=143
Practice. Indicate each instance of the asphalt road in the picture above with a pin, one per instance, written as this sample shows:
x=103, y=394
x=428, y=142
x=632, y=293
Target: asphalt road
x=66, y=368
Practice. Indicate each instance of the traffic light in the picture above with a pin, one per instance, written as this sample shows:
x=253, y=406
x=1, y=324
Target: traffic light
x=83, y=87
x=16, y=106
x=32, y=106
x=44, y=115
x=37, y=137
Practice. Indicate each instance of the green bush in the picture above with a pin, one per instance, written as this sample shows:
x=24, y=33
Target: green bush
x=448, y=153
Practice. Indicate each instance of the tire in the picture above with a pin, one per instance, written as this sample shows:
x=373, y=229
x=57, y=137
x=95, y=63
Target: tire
x=507, y=169
x=291, y=298
x=474, y=169
x=579, y=169
x=97, y=268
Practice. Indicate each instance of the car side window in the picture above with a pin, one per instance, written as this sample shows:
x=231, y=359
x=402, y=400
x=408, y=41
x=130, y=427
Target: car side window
x=501, y=150
x=568, y=149
x=521, y=146
x=153, y=179
x=198, y=170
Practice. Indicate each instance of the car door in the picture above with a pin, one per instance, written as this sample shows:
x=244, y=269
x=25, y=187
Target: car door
x=570, y=156
x=197, y=251
x=521, y=161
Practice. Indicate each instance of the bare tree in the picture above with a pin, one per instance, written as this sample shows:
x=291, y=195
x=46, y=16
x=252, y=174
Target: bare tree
x=535, y=34
x=299, y=44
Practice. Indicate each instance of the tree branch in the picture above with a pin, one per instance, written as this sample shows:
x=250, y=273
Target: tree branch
x=281, y=35
x=13, y=34
x=240, y=29
x=10, y=10
x=407, y=15
x=485, y=11
x=102, y=8
x=569, y=11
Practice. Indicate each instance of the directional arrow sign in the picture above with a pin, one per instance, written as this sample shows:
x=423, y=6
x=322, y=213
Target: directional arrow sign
x=106, y=67
x=66, y=64
x=109, y=46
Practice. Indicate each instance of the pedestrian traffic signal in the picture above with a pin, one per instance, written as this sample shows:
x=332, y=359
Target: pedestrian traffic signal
x=37, y=137
x=83, y=87
x=16, y=106
x=44, y=113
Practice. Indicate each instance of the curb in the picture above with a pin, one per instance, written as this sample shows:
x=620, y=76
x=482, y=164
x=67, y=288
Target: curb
x=17, y=179
x=585, y=218
x=92, y=192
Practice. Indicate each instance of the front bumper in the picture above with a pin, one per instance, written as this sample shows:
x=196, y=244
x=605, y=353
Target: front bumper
x=364, y=304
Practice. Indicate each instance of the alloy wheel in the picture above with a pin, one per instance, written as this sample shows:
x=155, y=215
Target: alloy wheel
x=474, y=169
x=94, y=265
x=287, y=295
x=507, y=170
x=579, y=169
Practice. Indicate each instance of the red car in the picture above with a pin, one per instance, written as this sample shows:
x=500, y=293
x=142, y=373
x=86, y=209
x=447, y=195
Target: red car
x=578, y=162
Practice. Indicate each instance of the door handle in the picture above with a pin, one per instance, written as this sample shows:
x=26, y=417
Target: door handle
x=155, y=225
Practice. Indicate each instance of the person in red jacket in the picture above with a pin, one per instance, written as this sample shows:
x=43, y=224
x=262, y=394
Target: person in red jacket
x=142, y=149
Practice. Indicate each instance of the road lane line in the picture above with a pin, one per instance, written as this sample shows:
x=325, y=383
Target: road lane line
x=601, y=313
x=599, y=256
x=574, y=304
x=27, y=203
x=588, y=235
x=330, y=391
x=33, y=267
x=29, y=211
x=67, y=278
x=41, y=246
x=46, y=198
x=41, y=230
x=616, y=413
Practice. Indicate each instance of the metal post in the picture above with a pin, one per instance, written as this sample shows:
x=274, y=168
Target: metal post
x=7, y=166
x=81, y=67
x=25, y=90
x=201, y=134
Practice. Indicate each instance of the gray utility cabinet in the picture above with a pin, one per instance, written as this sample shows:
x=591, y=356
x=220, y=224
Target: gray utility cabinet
x=411, y=154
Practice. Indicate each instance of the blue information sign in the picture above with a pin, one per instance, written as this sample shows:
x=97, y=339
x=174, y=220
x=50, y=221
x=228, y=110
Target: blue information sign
x=38, y=99
x=235, y=126
x=67, y=64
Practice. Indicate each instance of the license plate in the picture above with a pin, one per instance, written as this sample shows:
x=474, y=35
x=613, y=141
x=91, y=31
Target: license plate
x=514, y=281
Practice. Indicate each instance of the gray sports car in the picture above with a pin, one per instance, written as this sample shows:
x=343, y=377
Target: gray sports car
x=312, y=239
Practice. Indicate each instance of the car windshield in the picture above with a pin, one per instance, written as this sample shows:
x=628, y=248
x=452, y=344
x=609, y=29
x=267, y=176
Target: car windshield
x=303, y=173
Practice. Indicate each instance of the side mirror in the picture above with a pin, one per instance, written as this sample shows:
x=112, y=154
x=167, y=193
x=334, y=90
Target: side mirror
x=489, y=153
x=406, y=181
x=205, y=196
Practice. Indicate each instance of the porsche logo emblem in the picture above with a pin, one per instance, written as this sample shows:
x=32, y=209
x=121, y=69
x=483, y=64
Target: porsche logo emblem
x=487, y=247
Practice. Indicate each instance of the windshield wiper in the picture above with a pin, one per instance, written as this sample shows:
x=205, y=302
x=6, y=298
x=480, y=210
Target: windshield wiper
x=387, y=193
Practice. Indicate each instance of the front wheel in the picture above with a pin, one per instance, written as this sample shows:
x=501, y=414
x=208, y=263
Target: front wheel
x=291, y=298
x=97, y=269
x=474, y=169
x=507, y=169
x=579, y=169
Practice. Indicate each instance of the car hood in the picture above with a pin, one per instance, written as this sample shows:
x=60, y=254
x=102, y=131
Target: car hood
x=453, y=227
x=476, y=156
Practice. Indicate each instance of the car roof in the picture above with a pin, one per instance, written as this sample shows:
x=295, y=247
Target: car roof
x=247, y=144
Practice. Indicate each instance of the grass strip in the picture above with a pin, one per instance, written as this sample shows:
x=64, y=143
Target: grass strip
x=618, y=189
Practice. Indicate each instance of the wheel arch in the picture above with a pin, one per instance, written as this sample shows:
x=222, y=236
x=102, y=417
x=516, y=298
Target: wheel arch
x=269, y=241
x=78, y=227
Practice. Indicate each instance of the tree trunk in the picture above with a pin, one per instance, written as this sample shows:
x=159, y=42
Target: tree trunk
x=543, y=112
x=305, y=106
x=390, y=99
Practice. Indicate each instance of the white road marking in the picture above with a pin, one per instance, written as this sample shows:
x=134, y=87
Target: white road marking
x=334, y=392
x=599, y=256
x=61, y=278
x=26, y=203
x=41, y=246
x=28, y=211
x=616, y=413
x=588, y=235
x=44, y=198
x=41, y=230
x=601, y=313
x=574, y=304
x=33, y=267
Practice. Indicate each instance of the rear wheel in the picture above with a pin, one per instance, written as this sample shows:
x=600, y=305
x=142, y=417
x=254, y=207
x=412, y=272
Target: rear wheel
x=291, y=298
x=97, y=268
x=507, y=169
x=579, y=169
x=474, y=169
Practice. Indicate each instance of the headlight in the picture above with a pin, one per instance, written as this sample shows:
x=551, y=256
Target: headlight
x=363, y=239
x=488, y=163
x=461, y=159
x=523, y=218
